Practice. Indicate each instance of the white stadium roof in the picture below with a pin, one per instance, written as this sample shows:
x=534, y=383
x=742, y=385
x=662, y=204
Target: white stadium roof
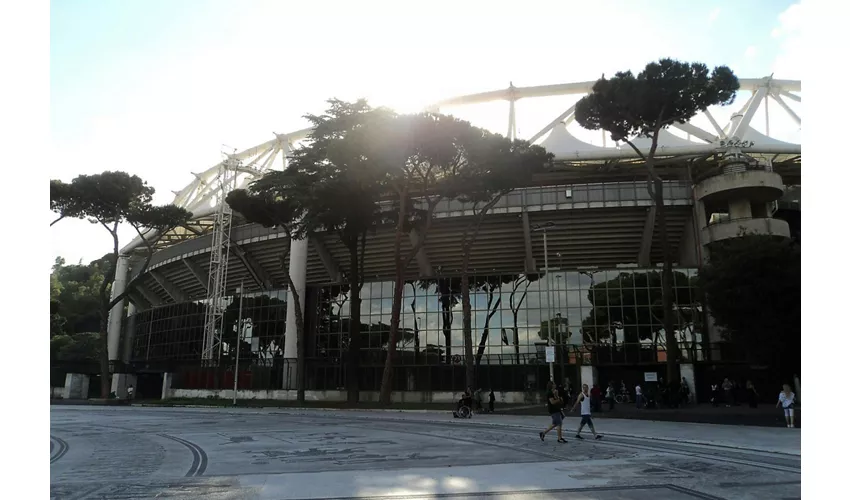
x=202, y=195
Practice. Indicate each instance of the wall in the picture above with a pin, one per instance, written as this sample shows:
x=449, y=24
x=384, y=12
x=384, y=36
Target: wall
x=365, y=396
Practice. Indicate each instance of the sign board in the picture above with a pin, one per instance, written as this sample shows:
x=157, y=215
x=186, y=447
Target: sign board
x=650, y=377
x=550, y=354
x=736, y=143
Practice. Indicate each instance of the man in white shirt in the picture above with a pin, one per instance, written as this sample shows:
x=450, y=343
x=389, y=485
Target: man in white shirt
x=583, y=400
x=638, y=397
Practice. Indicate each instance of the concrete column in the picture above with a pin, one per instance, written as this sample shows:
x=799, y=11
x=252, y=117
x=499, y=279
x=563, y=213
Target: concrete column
x=687, y=371
x=701, y=219
x=129, y=334
x=298, y=273
x=116, y=314
x=120, y=383
x=740, y=209
x=589, y=375
x=166, y=385
x=76, y=386
x=689, y=251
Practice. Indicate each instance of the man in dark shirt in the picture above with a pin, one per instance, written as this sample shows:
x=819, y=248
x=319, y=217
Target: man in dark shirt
x=554, y=404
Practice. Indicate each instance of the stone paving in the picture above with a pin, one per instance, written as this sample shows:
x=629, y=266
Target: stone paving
x=131, y=452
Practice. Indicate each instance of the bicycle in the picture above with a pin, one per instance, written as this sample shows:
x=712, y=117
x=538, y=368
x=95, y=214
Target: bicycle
x=623, y=398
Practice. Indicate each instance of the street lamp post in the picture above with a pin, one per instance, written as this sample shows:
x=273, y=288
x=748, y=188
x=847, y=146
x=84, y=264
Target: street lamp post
x=238, y=341
x=543, y=227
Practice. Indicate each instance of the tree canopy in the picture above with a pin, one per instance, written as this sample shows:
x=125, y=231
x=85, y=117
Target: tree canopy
x=623, y=301
x=74, y=299
x=753, y=287
x=110, y=199
x=664, y=93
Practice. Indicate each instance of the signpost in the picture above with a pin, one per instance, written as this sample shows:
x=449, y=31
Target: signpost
x=650, y=377
x=550, y=354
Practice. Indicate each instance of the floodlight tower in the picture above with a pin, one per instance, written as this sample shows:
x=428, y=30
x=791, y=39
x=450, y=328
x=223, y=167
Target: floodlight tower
x=219, y=256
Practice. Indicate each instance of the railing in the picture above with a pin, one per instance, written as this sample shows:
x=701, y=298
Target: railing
x=725, y=219
x=732, y=169
x=499, y=372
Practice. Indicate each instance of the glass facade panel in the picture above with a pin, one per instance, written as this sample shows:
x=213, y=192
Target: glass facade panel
x=602, y=315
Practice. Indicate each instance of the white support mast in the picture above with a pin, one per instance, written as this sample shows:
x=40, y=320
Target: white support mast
x=219, y=256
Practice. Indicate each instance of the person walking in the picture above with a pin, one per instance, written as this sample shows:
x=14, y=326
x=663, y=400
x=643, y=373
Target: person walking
x=554, y=403
x=611, y=395
x=787, y=400
x=715, y=395
x=596, y=398
x=583, y=401
x=638, y=397
x=727, y=392
x=752, y=395
x=492, y=401
x=685, y=391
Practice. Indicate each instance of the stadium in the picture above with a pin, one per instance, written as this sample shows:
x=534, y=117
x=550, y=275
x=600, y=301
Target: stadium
x=575, y=252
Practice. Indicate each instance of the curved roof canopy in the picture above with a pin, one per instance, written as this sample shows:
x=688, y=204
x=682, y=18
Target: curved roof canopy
x=203, y=194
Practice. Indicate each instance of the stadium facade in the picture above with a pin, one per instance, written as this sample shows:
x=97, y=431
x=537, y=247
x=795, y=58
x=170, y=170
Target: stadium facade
x=590, y=216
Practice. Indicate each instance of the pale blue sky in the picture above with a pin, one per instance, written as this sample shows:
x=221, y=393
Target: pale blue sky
x=155, y=87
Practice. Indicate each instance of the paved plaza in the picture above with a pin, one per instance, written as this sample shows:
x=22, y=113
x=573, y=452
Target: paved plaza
x=136, y=452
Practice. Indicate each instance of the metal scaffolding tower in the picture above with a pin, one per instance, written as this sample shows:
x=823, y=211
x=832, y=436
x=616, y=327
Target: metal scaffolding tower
x=219, y=256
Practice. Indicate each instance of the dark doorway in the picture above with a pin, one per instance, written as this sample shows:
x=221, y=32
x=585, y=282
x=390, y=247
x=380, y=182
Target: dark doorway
x=148, y=386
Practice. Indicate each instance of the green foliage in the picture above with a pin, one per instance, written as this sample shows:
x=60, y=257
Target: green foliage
x=77, y=348
x=74, y=296
x=753, y=287
x=268, y=207
x=330, y=181
x=100, y=198
x=622, y=300
x=560, y=326
x=109, y=199
x=665, y=92
x=267, y=317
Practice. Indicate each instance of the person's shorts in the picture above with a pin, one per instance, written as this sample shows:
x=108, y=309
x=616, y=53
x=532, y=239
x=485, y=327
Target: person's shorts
x=557, y=418
x=585, y=420
x=789, y=412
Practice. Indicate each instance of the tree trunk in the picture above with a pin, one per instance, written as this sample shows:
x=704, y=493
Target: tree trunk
x=108, y=278
x=416, y=346
x=395, y=319
x=667, y=287
x=105, y=379
x=467, y=324
x=398, y=290
x=445, y=290
x=467, y=240
x=353, y=365
x=515, y=310
x=482, y=344
x=300, y=369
